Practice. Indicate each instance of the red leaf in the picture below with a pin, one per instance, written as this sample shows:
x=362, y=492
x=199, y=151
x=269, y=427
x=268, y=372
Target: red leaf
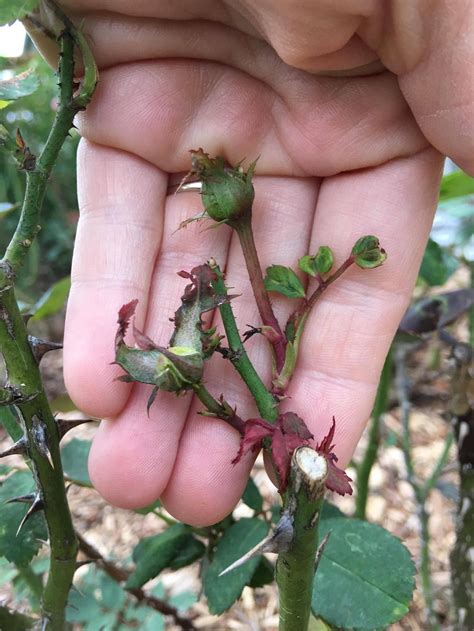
x=124, y=316
x=325, y=446
x=337, y=479
x=291, y=423
x=256, y=429
x=281, y=457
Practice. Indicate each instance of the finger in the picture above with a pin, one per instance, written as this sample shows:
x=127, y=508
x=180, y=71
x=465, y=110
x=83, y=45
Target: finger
x=312, y=126
x=117, y=38
x=133, y=455
x=118, y=237
x=431, y=49
x=205, y=486
x=350, y=329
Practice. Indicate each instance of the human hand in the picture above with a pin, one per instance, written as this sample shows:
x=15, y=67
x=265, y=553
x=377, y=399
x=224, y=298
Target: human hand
x=339, y=157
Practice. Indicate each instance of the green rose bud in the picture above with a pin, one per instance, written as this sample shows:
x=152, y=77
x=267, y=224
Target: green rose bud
x=227, y=193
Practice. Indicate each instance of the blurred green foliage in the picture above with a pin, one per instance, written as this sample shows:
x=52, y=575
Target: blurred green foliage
x=50, y=255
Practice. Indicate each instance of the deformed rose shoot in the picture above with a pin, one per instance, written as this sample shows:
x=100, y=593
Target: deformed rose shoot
x=227, y=195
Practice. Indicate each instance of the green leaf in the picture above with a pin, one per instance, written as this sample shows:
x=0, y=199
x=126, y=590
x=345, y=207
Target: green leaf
x=28, y=585
x=154, y=554
x=456, y=184
x=367, y=252
x=154, y=622
x=87, y=605
x=331, y=511
x=11, y=10
x=184, y=600
x=320, y=263
x=20, y=85
x=74, y=456
x=14, y=621
x=252, y=497
x=307, y=265
x=284, y=281
x=53, y=300
x=263, y=575
x=112, y=595
x=324, y=259
x=437, y=265
x=8, y=571
x=9, y=422
x=83, y=607
x=223, y=591
x=365, y=577
x=190, y=550
x=22, y=548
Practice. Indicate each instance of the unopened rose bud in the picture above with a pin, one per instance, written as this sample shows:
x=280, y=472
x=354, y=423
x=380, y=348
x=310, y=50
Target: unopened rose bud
x=227, y=193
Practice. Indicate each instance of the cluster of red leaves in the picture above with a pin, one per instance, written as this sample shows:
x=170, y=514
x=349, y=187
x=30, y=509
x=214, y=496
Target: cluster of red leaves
x=287, y=434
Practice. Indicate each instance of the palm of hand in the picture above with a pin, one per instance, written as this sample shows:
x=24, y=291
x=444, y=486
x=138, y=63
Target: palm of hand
x=339, y=157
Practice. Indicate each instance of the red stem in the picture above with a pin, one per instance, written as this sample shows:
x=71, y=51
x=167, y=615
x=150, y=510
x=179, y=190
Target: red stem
x=324, y=284
x=243, y=227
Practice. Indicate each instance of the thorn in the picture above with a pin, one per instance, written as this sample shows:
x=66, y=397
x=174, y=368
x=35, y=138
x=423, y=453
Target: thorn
x=320, y=550
x=24, y=499
x=10, y=395
x=186, y=187
x=277, y=541
x=64, y=425
x=18, y=448
x=36, y=502
x=40, y=438
x=251, y=331
x=151, y=400
x=41, y=347
x=27, y=317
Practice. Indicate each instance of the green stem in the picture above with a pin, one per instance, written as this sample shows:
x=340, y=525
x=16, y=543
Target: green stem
x=296, y=566
x=37, y=177
x=439, y=466
x=23, y=372
x=243, y=228
x=168, y=520
x=365, y=467
x=425, y=569
x=267, y=405
x=403, y=392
